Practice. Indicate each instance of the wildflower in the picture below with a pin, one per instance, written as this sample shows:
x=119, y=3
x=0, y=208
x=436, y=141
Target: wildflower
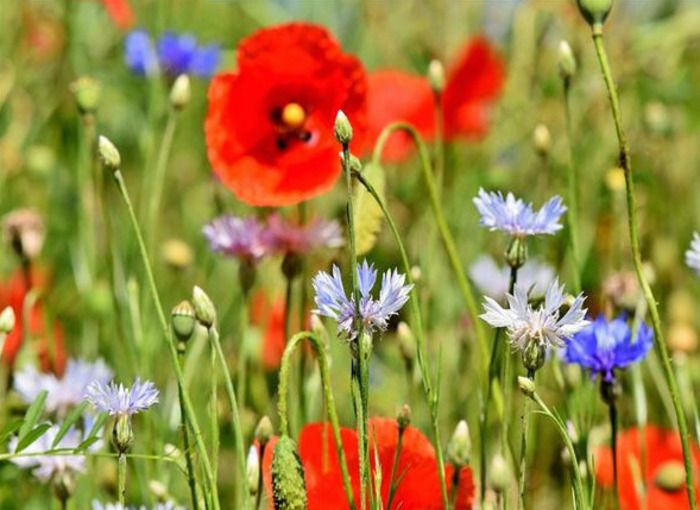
x=417, y=482
x=139, y=54
x=374, y=314
x=542, y=326
x=243, y=238
x=63, y=392
x=692, y=255
x=517, y=218
x=604, y=346
x=181, y=54
x=284, y=237
x=658, y=467
x=117, y=400
x=120, y=12
x=493, y=281
x=270, y=125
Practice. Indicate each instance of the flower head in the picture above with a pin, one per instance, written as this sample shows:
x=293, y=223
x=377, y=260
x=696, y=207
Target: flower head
x=285, y=237
x=121, y=13
x=270, y=124
x=118, y=400
x=332, y=301
x=139, y=54
x=517, y=218
x=181, y=54
x=543, y=325
x=237, y=237
x=692, y=255
x=604, y=346
x=493, y=281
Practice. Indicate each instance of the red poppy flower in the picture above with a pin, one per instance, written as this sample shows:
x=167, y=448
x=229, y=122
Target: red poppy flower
x=418, y=487
x=664, y=457
x=120, y=12
x=13, y=294
x=269, y=127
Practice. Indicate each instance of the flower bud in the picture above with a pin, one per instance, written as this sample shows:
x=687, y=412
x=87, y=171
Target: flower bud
x=407, y=342
x=122, y=433
x=542, y=140
x=355, y=163
x=108, y=154
x=534, y=356
x=670, y=477
x=253, y=470
x=342, y=128
x=176, y=253
x=460, y=445
x=181, y=92
x=516, y=253
x=500, y=473
x=7, y=320
x=595, y=12
x=183, y=320
x=25, y=232
x=288, y=487
x=87, y=94
x=436, y=76
x=527, y=386
x=203, y=307
x=264, y=431
x=403, y=418
x=567, y=61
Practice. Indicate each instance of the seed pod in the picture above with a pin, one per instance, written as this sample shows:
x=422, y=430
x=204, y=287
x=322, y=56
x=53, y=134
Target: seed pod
x=288, y=486
x=595, y=12
x=183, y=320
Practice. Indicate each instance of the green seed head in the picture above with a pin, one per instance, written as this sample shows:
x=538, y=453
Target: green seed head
x=595, y=12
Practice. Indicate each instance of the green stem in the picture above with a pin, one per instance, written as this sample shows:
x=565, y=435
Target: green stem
x=159, y=177
x=320, y=350
x=394, y=466
x=660, y=343
x=572, y=181
x=187, y=403
x=612, y=413
x=191, y=477
x=121, y=478
x=214, y=415
x=523, y=445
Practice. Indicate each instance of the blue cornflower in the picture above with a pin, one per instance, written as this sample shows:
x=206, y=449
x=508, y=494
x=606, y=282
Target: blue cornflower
x=244, y=238
x=333, y=302
x=180, y=54
x=692, y=255
x=605, y=346
x=117, y=400
x=516, y=217
x=139, y=53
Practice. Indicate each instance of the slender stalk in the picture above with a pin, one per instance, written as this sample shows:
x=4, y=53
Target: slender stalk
x=660, y=343
x=523, y=445
x=191, y=477
x=214, y=415
x=159, y=176
x=394, y=466
x=572, y=182
x=186, y=402
x=121, y=478
x=612, y=413
x=320, y=350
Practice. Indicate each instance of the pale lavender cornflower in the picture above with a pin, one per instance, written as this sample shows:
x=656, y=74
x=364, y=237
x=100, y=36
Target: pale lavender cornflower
x=692, y=255
x=243, y=238
x=543, y=325
x=168, y=505
x=118, y=400
x=374, y=314
x=516, y=217
x=493, y=281
x=65, y=392
x=44, y=467
x=286, y=237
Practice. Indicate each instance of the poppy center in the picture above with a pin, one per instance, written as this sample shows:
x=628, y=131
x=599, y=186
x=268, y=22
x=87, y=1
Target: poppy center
x=293, y=115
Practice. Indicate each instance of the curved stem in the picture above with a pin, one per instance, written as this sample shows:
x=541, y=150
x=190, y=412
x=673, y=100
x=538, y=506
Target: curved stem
x=121, y=478
x=394, y=466
x=660, y=343
x=320, y=350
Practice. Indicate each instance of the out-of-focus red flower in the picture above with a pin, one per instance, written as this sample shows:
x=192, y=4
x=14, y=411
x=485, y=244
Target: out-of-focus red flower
x=52, y=358
x=120, y=12
x=44, y=36
x=664, y=456
x=419, y=486
x=397, y=96
x=269, y=127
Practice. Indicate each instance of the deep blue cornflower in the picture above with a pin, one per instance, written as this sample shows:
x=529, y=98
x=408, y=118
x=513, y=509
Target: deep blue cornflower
x=139, y=54
x=244, y=238
x=118, y=400
x=180, y=54
x=516, y=217
x=332, y=301
x=692, y=255
x=605, y=346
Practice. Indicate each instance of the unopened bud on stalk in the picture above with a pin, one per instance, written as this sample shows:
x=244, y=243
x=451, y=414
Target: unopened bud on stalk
x=25, y=231
x=183, y=320
x=527, y=386
x=500, y=473
x=7, y=320
x=264, y=431
x=108, y=154
x=87, y=94
x=253, y=470
x=403, y=418
x=542, y=140
x=181, y=92
x=670, y=477
x=407, y=342
x=534, y=356
x=595, y=12
x=516, y=253
x=288, y=487
x=122, y=433
x=436, y=76
x=204, y=308
x=572, y=432
x=567, y=61
x=460, y=446
x=342, y=128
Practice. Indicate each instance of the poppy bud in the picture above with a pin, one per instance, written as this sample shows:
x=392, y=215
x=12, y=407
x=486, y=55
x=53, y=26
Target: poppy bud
x=264, y=431
x=534, y=356
x=500, y=473
x=542, y=139
x=253, y=470
x=183, y=320
x=181, y=92
x=203, y=307
x=87, y=94
x=670, y=477
x=288, y=487
x=403, y=418
x=7, y=320
x=342, y=129
x=460, y=445
x=122, y=433
x=436, y=76
x=108, y=154
x=595, y=12
x=516, y=253
x=527, y=386
x=567, y=61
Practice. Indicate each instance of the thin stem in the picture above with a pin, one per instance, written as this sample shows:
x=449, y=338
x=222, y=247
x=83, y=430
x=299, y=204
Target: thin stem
x=191, y=477
x=121, y=478
x=612, y=412
x=523, y=445
x=159, y=177
x=572, y=181
x=214, y=415
x=187, y=404
x=394, y=466
x=320, y=350
x=660, y=343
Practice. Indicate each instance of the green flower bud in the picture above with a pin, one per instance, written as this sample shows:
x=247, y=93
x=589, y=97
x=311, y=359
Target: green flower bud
x=407, y=342
x=122, y=433
x=460, y=445
x=87, y=93
x=436, y=76
x=342, y=128
x=183, y=320
x=500, y=473
x=7, y=320
x=516, y=253
x=595, y=12
x=403, y=418
x=527, y=386
x=288, y=486
x=108, y=154
x=253, y=470
x=670, y=477
x=534, y=356
x=567, y=61
x=181, y=92
x=204, y=308
x=542, y=139
x=264, y=431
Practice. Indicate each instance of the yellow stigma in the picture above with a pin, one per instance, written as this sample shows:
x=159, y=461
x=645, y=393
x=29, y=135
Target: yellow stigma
x=293, y=115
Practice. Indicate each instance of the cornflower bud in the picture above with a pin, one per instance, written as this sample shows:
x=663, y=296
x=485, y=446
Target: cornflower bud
x=122, y=433
x=253, y=470
x=87, y=93
x=203, y=307
x=542, y=140
x=527, y=386
x=108, y=154
x=500, y=473
x=534, y=356
x=407, y=342
x=403, y=418
x=460, y=445
x=567, y=61
x=342, y=128
x=181, y=92
x=288, y=486
x=436, y=76
x=516, y=253
x=264, y=431
x=183, y=320
x=7, y=320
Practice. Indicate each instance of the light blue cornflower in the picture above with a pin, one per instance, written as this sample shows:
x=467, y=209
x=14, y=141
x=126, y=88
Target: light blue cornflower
x=168, y=505
x=602, y=347
x=544, y=325
x=118, y=400
x=692, y=255
x=374, y=314
x=139, y=54
x=516, y=217
x=181, y=54
x=244, y=238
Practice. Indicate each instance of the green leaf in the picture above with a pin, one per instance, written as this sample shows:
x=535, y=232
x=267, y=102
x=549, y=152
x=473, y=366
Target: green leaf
x=31, y=417
x=10, y=429
x=97, y=426
x=32, y=436
x=367, y=214
x=70, y=420
x=87, y=443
